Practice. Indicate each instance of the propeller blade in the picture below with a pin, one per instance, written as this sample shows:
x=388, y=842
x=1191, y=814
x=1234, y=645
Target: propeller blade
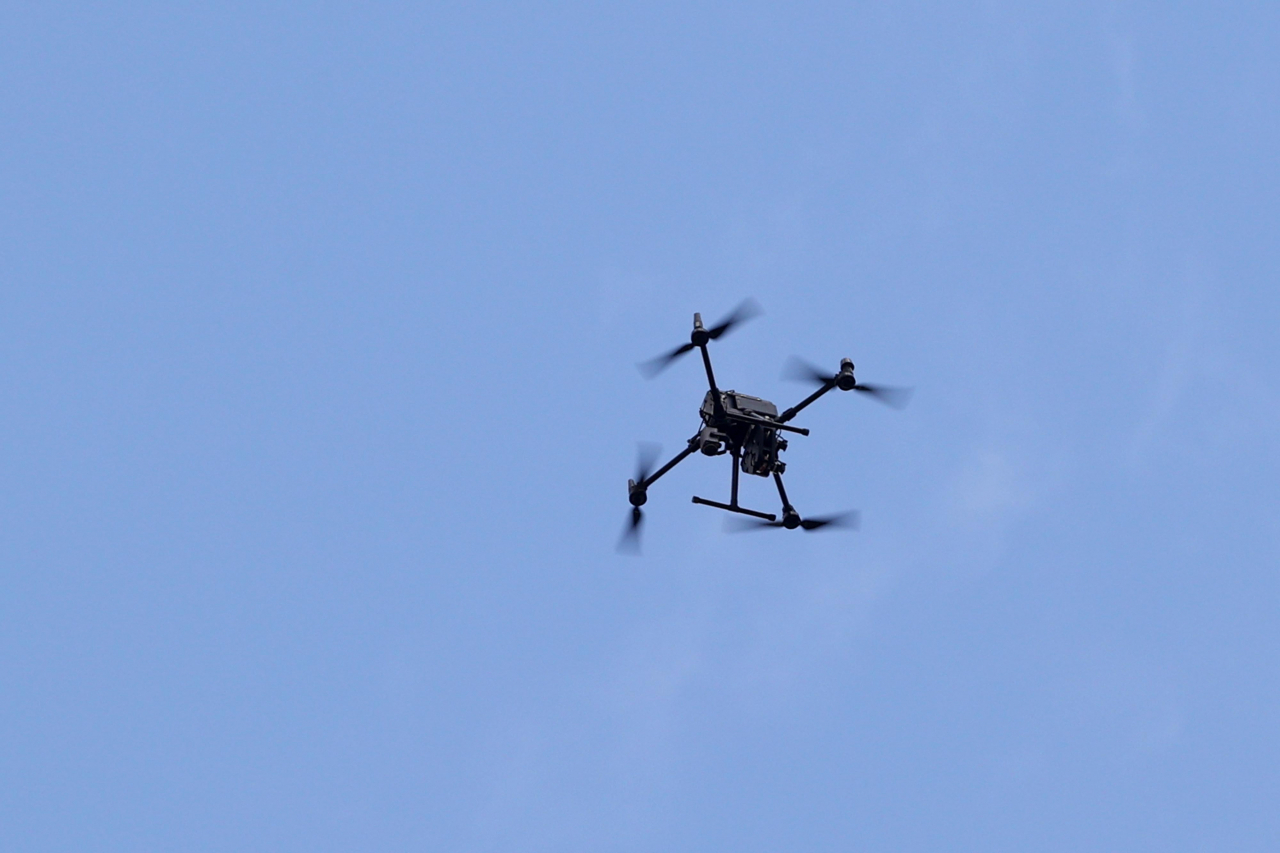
x=799, y=370
x=629, y=542
x=848, y=520
x=890, y=395
x=646, y=458
x=654, y=366
x=742, y=525
x=747, y=309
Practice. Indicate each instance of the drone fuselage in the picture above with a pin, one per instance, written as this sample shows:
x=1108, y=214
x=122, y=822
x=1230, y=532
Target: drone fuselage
x=745, y=427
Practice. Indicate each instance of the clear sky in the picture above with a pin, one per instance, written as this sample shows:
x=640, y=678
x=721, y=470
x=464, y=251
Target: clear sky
x=318, y=333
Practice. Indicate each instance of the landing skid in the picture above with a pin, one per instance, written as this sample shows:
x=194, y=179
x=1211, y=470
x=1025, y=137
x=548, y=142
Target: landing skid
x=767, y=516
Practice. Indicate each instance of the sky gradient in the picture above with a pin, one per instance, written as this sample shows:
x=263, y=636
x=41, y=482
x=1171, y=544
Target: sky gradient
x=319, y=328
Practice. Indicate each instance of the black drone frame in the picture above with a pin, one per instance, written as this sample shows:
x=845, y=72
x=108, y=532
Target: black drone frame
x=746, y=428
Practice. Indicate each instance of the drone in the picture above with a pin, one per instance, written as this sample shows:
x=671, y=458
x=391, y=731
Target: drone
x=747, y=429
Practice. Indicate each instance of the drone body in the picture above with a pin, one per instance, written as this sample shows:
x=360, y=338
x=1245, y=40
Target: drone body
x=748, y=429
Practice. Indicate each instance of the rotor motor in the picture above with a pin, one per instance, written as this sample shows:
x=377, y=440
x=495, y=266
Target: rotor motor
x=844, y=379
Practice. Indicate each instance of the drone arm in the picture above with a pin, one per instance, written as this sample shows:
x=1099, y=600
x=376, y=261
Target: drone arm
x=676, y=460
x=717, y=405
x=794, y=410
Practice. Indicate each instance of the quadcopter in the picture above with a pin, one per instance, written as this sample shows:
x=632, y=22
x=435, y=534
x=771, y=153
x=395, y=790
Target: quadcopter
x=747, y=429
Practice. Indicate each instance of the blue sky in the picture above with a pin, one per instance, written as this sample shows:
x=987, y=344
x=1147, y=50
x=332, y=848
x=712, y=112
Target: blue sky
x=319, y=329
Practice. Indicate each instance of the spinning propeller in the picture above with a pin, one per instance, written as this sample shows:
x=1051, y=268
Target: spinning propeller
x=745, y=311
x=791, y=521
x=646, y=456
x=802, y=371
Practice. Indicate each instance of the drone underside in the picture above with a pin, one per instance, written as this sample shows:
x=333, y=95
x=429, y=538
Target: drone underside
x=748, y=429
